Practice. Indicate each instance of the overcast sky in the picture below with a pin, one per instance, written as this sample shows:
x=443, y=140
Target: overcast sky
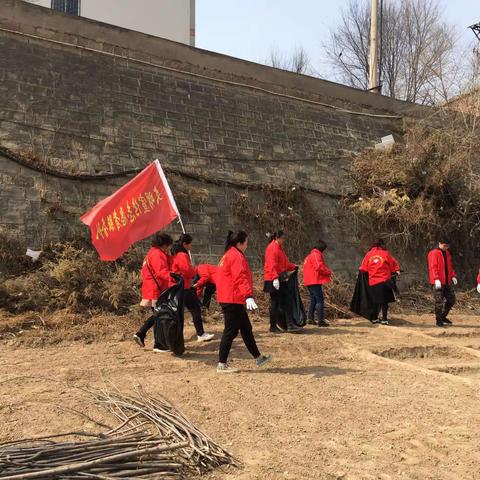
x=250, y=29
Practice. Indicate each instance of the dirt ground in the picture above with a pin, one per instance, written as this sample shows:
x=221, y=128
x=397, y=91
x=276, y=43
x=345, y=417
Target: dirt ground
x=352, y=401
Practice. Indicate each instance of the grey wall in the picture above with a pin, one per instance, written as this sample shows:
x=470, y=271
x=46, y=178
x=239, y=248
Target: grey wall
x=85, y=111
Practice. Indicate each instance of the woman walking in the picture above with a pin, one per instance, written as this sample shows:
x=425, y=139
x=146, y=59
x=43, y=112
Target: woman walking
x=155, y=279
x=315, y=274
x=235, y=295
x=182, y=265
x=276, y=272
x=380, y=266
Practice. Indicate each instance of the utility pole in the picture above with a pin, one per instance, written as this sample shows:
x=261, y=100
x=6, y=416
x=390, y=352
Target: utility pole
x=373, y=63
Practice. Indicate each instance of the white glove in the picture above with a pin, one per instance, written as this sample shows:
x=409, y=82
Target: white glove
x=454, y=281
x=438, y=284
x=478, y=288
x=398, y=273
x=276, y=284
x=251, y=305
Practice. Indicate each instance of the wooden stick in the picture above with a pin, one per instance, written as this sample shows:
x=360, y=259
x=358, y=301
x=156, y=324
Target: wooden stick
x=52, y=472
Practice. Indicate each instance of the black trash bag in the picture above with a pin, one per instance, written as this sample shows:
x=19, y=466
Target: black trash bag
x=296, y=309
x=361, y=303
x=168, y=326
x=393, y=284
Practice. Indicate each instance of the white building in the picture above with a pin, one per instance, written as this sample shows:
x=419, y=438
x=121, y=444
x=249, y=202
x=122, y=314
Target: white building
x=172, y=19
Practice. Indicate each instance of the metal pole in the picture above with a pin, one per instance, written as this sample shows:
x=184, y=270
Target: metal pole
x=380, y=54
x=373, y=63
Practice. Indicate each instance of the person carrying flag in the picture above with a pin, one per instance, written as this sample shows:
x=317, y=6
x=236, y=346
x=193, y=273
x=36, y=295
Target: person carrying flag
x=182, y=265
x=155, y=279
x=235, y=295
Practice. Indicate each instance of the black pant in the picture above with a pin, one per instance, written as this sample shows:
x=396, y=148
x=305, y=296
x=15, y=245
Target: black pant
x=210, y=289
x=236, y=319
x=192, y=304
x=444, y=301
x=142, y=333
x=384, y=308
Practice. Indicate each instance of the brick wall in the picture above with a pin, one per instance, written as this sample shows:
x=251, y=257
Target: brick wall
x=93, y=112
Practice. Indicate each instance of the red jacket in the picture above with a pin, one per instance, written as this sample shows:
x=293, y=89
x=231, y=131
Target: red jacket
x=207, y=274
x=436, y=267
x=276, y=261
x=159, y=263
x=380, y=265
x=183, y=266
x=478, y=277
x=315, y=272
x=234, y=278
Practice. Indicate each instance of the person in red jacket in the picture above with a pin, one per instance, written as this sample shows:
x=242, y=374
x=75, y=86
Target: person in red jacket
x=276, y=273
x=206, y=283
x=182, y=265
x=380, y=266
x=235, y=295
x=442, y=276
x=155, y=279
x=315, y=274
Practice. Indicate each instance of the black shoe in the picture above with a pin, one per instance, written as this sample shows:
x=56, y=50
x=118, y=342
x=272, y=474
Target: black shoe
x=312, y=322
x=275, y=330
x=441, y=324
x=447, y=321
x=323, y=323
x=294, y=329
x=376, y=321
x=139, y=340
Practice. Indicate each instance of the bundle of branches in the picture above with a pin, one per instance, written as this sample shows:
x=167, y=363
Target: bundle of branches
x=427, y=187
x=278, y=208
x=338, y=295
x=153, y=440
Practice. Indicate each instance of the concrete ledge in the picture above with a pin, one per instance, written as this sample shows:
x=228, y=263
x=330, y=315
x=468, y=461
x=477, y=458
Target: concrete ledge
x=34, y=20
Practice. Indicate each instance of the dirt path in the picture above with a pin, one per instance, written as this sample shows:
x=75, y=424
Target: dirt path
x=347, y=402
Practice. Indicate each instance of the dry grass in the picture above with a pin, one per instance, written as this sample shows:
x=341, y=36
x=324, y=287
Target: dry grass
x=426, y=187
x=70, y=276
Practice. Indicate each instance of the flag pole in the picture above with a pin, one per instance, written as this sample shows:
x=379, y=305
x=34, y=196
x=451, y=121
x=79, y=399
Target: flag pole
x=181, y=223
x=170, y=194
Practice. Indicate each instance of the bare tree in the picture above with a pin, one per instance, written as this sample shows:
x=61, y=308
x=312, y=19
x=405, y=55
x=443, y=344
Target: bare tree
x=417, y=58
x=298, y=61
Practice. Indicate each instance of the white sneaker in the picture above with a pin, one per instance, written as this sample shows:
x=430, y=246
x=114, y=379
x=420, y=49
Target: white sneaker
x=206, y=337
x=225, y=368
x=159, y=350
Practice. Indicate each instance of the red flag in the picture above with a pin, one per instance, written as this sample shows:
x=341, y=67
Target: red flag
x=140, y=208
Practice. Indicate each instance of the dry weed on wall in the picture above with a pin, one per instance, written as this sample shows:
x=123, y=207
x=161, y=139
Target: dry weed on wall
x=427, y=187
x=272, y=208
x=71, y=276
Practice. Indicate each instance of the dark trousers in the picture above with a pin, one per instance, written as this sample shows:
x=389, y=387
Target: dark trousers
x=444, y=301
x=383, y=307
x=279, y=310
x=192, y=304
x=210, y=289
x=316, y=302
x=142, y=333
x=236, y=319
